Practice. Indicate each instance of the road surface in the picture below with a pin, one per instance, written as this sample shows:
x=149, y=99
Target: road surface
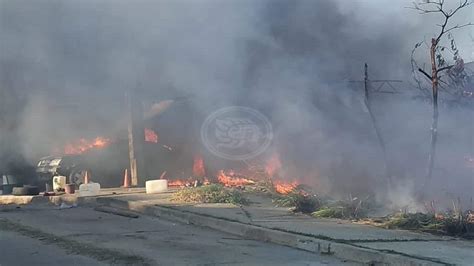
x=47, y=235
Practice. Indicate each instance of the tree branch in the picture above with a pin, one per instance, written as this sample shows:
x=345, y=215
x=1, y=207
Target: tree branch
x=438, y=7
x=424, y=73
x=459, y=26
x=444, y=68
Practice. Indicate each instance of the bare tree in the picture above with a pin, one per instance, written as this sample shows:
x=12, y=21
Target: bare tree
x=438, y=61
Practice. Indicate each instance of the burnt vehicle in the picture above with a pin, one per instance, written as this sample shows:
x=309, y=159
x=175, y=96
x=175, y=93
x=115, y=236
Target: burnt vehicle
x=105, y=159
x=70, y=166
x=104, y=166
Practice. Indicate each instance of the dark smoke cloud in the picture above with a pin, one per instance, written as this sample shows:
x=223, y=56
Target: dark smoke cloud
x=66, y=65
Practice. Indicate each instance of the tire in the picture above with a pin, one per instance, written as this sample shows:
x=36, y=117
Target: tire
x=25, y=191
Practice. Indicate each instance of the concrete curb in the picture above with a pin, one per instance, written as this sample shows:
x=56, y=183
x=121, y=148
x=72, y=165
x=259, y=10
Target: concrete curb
x=56, y=200
x=345, y=251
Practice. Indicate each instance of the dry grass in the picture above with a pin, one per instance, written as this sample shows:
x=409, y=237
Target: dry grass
x=350, y=208
x=450, y=223
x=213, y=193
x=299, y=202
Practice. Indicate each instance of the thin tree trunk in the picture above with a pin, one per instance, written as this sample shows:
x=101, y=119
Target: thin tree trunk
x=376, y=128
x=434, y=122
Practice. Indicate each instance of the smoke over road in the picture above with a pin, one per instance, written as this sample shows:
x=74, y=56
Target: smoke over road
x=64, y=68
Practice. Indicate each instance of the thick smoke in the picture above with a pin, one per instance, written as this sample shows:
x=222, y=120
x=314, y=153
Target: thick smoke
x=65, y=67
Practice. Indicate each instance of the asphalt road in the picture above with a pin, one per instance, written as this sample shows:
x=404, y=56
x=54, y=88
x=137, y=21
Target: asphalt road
x=46, y=235
x=16, y=249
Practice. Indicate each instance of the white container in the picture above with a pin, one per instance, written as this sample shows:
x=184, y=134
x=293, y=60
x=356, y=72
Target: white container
x=156, y=186
x=59, y=183
x=90, y=189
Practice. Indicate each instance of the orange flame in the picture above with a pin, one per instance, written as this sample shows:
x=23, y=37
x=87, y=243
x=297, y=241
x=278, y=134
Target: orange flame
x=151, y=135
x=178, y=183
x=82, y=145
x=198, y=166
x=273, y=165
x=283, y=187
x=229, y=179
x=181, y=183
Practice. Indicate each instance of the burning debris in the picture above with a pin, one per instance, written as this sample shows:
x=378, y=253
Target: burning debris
x=284, y=187
x=230, y=178
x=186, y=183
x=198, y=167
x=151, y=135
x=83, y=145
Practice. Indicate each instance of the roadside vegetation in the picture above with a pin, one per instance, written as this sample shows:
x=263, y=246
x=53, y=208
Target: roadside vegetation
x=449, y=223
x=299, y=202
x=213, y=193
x=304, y=200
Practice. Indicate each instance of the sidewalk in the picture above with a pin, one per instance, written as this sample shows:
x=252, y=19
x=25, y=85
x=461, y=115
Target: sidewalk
x=343, y=239
x=261, y=221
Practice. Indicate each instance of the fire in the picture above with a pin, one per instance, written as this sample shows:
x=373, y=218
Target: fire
x=82, y=145
x=178, y=183
x=198, y=166
x=151, y=135
x=230, y=179
x=273, y=165
x=283, y=187
x=191, y=182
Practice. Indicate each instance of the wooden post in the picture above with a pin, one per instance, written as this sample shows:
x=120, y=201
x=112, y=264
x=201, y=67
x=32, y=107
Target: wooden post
x=136, y=138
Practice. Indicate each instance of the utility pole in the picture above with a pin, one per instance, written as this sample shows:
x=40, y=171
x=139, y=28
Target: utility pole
x=367, y=89
x=136, y=138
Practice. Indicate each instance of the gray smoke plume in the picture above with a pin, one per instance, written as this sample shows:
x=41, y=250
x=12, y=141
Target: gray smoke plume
x=66, y=65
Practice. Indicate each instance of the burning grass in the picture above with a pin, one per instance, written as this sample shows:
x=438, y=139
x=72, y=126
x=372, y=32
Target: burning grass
x=213, y=193
x=300, y=199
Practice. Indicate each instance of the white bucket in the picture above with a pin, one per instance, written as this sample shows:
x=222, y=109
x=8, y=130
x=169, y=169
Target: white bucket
x=156, y=186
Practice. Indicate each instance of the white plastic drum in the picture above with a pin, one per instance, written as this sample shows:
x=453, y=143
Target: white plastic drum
x=156, y=186
x=89, y=189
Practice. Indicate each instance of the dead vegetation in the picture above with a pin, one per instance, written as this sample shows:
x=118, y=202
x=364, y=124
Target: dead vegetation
x=449, y=223
x=350, y=208
x=302, y=199
x=212, y=193
x=299, y=202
